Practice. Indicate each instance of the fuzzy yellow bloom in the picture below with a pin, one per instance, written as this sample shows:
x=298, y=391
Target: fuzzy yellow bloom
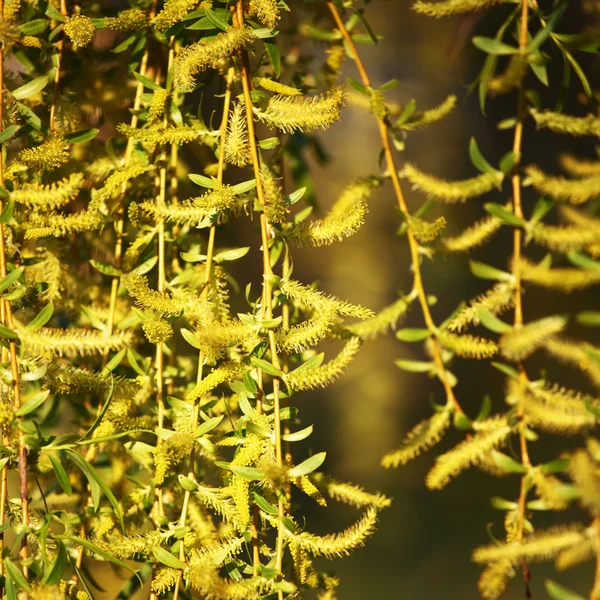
x=80, y=30
x=50, y=155
x=128, y=20
x=157, y=330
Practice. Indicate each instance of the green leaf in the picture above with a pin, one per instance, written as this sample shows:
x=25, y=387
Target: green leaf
x=506, y=369
x=207, y=426
x=202, y=181
x=542, y=208
x=229, y=255
x=484, y=271
x=80, y=137
x=7, y=212
x=147, y=82
x=33, y=27
x=190, y=338
x=96, y=550
x=555, y=466
x=58, y=567
x=274, y=56
x=264, y=505
x=583, y=261
x=415, y=366
x=492, y=322
x=292, y=198
x=589, y=318
x=413, y=334
x=11, y=278
x=297, y=436
x=215, y=19
x=308, y=466
x=477, y=158
x=15, y=574
x=359, y=87
x=32, y=87
x=54, y=14
x=61, y=474
x=245, y=186
x=507, y=463
x=30, y=405
x=250, y=473
x=407, y=112
x=504, y=215
x=268, y=143
x=502, y=504
x=166, y=558
x=96, y=484
x=311, y=363
x=7, y=333
x=42, y=317
x=105, y=268
x=266, y=366
x=8, y=133
x=102, y=412
x=559, y=592
x=493, y=46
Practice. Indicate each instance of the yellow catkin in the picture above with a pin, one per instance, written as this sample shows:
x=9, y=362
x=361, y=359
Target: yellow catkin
x=497, y=300
x=80, y=30
x=49, y=196
x=562, y=279
x=172, y=12
x=474, y=236
x=563, y=238
x=561, y=123
x=547, y=489
x=585, y=473
x=237, y=149
x=303, y=113
x=128, y=20
x=495, y=578
x=50, y=155
x=385, y=319
x=279, y=88
x=157, y=331
x=578, y=167
x=518, y=343
x=451, y=191
x=428, y=117
x=426, y=231
x=157, y=106
x=467, y=346
x=511, y=78
x=448, y=8
x=422, y=437
x=494, y=433
x=267, y=11
x=540, y=546
x=575, y=191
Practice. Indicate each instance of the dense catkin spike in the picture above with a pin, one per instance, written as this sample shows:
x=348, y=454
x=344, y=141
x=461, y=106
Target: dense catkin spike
x=354, y=495
x=316, y=301
x=222, y=374
x=157, y=105
x=518, y=343
x=278, y=88
x=267, y=11
x=49, y=156
x=157, y=331
x=497, y=300
x=132, y=546
x=451, y=191
x=58, y=225
x=562, y=238
x=563, y=279
x=495, y=578
x=428, y=117
x=474, y=236
x=129, y=20
x=61, y=379
x=73, y=342
x=325, y=374
x=575, y=191
x=582, y=551
x=578, y=167
x=422, y=437
x=171, y=452
x=385, y=319
x=11, y=9
x=218, y=501
x=547, y=488
x=114, y=183
x=275, y=208
x=173, y=12
x=539, y=546
x=336, y=55
x=307, y=334
x=343, y=220
x=426, y=231
x=164, y=579
x=493, y=433
x=155, y=302
x=49, y=196
x=30, y=41
x=511, y=78
x=338, y=544
x=303, y=113
x=80, y=30
x=579, y=217
x=467, y=346
x=237, y=150
x=552, y=409
x=208, y=53
x=560, y=123
x=305, y=485
x=163, y=135
x=447, y=8
x=586, y=475
x=576, y=354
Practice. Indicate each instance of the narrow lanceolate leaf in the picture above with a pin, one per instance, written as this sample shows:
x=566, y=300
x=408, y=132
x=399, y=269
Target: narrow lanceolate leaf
x=166, y=558
x=452, y=191
x=575, y=191
x=518, y=343
x=422, y=437
x=308, y=466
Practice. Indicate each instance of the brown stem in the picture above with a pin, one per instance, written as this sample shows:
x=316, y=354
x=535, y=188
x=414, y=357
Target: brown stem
x=267, y=304
x=412, y=241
